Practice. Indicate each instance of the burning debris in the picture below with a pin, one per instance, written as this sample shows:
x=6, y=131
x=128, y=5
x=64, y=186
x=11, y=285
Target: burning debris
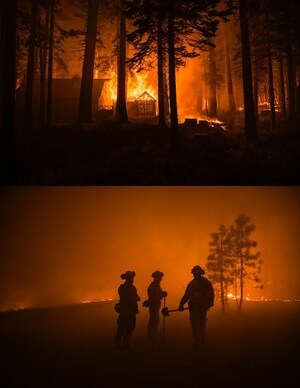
x=204, y=126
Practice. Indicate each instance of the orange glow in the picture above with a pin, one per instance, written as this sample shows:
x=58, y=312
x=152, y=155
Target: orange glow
x=109, y=93
x=137, y=83
x=262, y=299
x=66, y=245
x=96, y=300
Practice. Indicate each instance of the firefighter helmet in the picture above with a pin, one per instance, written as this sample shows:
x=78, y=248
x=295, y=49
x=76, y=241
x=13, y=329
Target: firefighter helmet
x=157, y=274
x=197, y=270
x=128, y=275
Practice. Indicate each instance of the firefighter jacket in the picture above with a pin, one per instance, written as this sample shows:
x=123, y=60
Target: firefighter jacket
x=199, y=292
x=155, y=295
x=128, y=299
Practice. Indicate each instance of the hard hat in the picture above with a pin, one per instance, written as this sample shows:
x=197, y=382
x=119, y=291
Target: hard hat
x=128, y=275
x=197, y=270
x=157, y=274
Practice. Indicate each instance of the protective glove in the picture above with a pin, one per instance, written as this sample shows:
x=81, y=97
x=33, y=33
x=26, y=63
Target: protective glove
x=180, y=308
x=146, y=303
x=164, y=294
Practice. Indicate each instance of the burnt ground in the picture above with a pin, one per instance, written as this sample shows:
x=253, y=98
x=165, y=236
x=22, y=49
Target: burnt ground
x=73, y=347
x=138, y=154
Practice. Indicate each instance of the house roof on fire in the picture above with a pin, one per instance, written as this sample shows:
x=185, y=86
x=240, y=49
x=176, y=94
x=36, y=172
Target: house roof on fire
x=145, y=97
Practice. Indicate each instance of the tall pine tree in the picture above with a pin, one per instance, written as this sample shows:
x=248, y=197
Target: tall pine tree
x=243, y=250
x=86, y=90
x=219, y=262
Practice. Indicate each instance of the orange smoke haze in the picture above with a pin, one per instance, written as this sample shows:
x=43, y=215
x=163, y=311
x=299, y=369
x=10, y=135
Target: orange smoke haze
x=63, y=245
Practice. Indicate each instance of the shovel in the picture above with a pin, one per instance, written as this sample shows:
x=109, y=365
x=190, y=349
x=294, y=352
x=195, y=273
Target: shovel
x=166, y=312
x=164, y=319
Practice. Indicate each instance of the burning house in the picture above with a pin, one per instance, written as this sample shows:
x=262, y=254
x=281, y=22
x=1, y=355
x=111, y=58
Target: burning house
x=146, y=105
x=142, y=106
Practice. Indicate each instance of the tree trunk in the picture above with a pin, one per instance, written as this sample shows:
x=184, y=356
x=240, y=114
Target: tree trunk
x=249, y=109
x=121, y=109
x=230, y=94
x=28, y=113
x=42, y=118
x=2, y=28
x=241, y=284
x=86, y=90
x=291, y=90
x=236, y=292
x=222, y=279
x=8, y=90
x=255, y=91
x=43, y=54
x=200, y=94
x=50, y=65
x=172, y=76
x=212, y=106
x=281, y=87
x=204, y=77
x=160, y=69
x=166, y=96
x=42, y=113
x=270, y=73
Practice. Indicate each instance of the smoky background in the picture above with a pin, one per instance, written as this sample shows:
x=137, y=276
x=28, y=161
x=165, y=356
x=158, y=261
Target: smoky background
x=64, y=245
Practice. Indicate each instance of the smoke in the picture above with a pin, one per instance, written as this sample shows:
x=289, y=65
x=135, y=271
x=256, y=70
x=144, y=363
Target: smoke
x=63, y=245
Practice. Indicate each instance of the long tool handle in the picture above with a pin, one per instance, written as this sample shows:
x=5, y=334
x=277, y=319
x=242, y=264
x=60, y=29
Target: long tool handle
x=172, y=311
x=164, y=320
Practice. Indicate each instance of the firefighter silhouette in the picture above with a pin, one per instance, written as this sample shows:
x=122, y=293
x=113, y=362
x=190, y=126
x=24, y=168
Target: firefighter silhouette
x=155, y=295
x=200, y=297
x=127, y=308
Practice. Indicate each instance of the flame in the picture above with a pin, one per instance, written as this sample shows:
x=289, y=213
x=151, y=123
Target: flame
x=137, y=83
x=264, y=104
x=261, y=299
x=96, y=300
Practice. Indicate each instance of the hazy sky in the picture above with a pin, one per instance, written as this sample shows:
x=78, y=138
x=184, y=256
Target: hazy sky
x=70, y=244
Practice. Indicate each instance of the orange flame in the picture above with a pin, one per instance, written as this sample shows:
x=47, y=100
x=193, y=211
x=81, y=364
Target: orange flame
x=137, y=83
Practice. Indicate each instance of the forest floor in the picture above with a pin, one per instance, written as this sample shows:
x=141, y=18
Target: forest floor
x=74, y=347
x=138, y=154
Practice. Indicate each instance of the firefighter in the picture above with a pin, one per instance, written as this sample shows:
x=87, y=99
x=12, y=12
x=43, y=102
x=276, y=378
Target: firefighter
x=200, y=297
x=155, y=295
x=127, y=309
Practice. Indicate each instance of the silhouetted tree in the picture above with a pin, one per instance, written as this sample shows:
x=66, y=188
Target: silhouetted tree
x=172, y=75
x=229, y=83
x=270, y=67
x=86, y=89
x=43, y=55
x=249, y=109
x=282, y=86
x=50, y=64
x=291, y=79
x=219, y=262
x=189, y=29
x=212, y=83
x=121, y=110
x=8, y=88
x=160, y=64
x=262, y=54
x=30, y=74
x=153, y=27
x=274, y=29
x=248, y=262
